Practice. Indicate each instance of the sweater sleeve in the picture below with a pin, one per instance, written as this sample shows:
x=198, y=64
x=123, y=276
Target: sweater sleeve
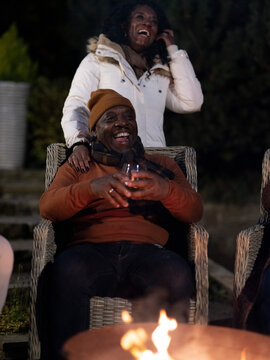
x=183, y=202
x=75, y=112
x=185, y=94
x=66, y=195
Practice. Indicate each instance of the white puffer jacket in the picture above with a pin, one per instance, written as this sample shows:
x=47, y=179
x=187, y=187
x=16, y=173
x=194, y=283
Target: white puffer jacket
x=107, y=68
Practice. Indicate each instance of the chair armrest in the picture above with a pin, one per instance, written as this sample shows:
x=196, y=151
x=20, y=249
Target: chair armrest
x=185, y=156
x=264, y=216
x=198, y=253
x=43, y=251
x=248, y=243
x=56, y=154
x=44, y=246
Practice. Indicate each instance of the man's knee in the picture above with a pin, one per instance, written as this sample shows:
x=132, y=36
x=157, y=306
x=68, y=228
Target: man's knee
x=165, y=273
x=85, y=271
x=177, y=273
x=70, y=270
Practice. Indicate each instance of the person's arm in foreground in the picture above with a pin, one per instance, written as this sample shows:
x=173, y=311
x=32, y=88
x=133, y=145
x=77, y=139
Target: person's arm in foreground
x=6, y=266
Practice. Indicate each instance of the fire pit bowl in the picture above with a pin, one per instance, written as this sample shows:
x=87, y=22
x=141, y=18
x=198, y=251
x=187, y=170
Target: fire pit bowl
x=189, y=342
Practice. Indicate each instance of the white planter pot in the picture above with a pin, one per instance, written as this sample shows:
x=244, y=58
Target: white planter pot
x=13, y=106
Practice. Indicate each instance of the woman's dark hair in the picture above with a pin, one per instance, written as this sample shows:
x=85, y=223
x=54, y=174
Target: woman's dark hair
x=116, y=26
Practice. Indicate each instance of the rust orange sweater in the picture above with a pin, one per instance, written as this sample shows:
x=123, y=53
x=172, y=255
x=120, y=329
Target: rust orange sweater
x=70, y=193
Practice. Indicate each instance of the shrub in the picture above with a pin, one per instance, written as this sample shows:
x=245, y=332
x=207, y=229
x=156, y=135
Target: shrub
x=15, y=62
x=44, y=117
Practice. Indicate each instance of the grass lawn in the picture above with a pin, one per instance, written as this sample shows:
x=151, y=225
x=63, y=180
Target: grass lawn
x=15, y=314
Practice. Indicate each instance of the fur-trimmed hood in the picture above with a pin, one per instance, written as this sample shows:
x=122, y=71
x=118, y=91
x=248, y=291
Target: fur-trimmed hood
x=95, y=41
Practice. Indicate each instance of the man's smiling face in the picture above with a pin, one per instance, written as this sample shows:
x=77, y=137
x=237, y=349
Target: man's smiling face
x=117, y=128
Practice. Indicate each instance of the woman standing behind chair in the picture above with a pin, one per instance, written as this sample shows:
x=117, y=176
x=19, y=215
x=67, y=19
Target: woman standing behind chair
x=136, y=56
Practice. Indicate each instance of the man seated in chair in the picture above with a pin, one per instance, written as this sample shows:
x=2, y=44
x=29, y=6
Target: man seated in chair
x=118, y=225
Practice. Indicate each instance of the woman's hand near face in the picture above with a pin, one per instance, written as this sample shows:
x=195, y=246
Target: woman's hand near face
x=112, y=188
x=167, y=36
x=80, y=158
x=149, y=186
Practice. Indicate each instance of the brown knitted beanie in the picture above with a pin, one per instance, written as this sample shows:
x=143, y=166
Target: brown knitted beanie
x=103, y=99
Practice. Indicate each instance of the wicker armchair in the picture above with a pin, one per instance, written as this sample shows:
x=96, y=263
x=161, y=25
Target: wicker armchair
x=107, y=311
x=248, y=241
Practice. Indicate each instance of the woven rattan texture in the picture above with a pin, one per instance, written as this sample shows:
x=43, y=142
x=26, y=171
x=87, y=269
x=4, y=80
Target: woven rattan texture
x=264, y=216
x=248, y=241
x=107, y=311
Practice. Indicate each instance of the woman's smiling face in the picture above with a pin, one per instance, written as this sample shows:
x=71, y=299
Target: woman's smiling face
x=143, y=28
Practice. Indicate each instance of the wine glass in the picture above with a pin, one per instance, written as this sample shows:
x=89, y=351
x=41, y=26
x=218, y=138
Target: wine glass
x=130, y=170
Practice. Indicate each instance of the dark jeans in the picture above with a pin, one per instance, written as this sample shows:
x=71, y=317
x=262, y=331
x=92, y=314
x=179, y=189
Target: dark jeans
x=160, y=277
x=263, y=304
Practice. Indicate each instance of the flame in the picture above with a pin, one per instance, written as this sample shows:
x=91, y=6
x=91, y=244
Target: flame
x=160, y=336
x=243, y=354
x=134, y=340
x=126, y=317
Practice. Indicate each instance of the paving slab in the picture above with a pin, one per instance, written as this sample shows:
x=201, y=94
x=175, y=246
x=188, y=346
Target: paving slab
x=19, y=205
x=14, y=347
x=21, y=226
x=21, y=280
x=221, y=274
x=21, y=244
